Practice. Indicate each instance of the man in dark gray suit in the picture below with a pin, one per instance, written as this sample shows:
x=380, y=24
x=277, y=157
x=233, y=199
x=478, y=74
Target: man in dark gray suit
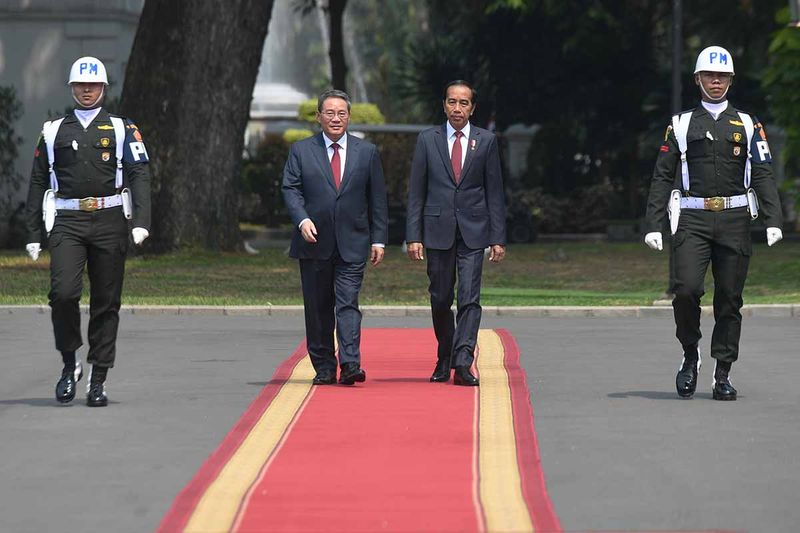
x=335, y=193
x=456, y=208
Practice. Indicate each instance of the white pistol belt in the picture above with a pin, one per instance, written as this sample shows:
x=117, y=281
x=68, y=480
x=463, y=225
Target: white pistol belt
x=716, y=203
x=90, y=203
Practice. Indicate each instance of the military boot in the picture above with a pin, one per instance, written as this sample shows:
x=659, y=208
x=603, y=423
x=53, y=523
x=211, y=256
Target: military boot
x=686, y=380
x=723, y=390
x=70, y=376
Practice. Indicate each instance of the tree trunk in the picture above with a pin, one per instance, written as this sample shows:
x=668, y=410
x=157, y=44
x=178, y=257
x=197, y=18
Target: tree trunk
x=188, y=86
x=336, y=50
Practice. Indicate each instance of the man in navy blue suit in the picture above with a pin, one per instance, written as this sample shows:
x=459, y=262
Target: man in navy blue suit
x=335, y=193
x=456, y=209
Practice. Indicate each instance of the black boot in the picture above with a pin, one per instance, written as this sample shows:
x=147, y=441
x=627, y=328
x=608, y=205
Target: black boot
x=686, y=380
x=723, y=390
x=70, y=376
x=96, y=395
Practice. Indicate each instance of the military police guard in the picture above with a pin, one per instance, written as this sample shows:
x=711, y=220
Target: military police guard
x=89, y=177
x=725, y=181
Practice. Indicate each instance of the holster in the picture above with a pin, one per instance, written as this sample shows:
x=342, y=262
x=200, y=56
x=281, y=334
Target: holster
x=674, y=210
x=752, y=203
x=49, y=210
x=127, y=203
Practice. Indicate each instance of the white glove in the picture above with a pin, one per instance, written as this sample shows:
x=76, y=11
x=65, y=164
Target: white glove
x=774, y=235
x=139, y=235
x=654, y=240
x=33, y=249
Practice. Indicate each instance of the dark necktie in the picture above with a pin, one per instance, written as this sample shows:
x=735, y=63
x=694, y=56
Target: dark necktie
x=336, y=166
x=455, y=156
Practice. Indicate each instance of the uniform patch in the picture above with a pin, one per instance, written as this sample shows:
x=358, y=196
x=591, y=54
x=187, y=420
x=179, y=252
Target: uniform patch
x=737, y=150
x=137, y=135
x=736, y=123
x=664, y=148
x=666, y=133
x=761, y=131
x=105, y=127
x=106, y=156
x=104, y=142
x=737, y=137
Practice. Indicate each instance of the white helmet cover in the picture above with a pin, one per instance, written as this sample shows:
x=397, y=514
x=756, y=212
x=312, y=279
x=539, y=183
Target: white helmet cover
x=88, y=70
x=714, y=59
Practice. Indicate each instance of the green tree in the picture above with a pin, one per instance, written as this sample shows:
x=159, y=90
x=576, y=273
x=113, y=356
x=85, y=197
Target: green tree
x=10, y=179
x=782, y=82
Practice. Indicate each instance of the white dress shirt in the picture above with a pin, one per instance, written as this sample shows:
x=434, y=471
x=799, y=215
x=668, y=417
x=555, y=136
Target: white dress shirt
x=342, y=142
x=451, y=139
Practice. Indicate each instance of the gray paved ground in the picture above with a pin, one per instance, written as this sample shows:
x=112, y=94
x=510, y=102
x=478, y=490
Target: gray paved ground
x=619, y=450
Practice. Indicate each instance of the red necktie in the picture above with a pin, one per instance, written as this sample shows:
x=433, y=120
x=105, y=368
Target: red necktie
x=336, y=166
x=455, y=156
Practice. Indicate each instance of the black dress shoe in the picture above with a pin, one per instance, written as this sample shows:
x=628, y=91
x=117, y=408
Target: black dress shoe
x=441, y=374
x=325, y=377
x=96, y=397
x=352, y=373
x=464, y=377
x=686, y=380
x=723, y=390
x=65, y=388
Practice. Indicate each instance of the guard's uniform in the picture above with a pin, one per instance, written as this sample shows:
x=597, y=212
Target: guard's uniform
x=85, y=164
x=716, y=155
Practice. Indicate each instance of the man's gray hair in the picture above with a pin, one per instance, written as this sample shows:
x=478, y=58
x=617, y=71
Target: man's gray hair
x=332, y=93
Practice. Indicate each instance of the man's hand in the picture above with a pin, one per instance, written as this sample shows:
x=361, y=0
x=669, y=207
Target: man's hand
x=139, y=235
x=774, y=235
x=309, y=231
x=376, y=255
x=415, y=251
x=497, y=253
x=654, y=240
x=33, y=249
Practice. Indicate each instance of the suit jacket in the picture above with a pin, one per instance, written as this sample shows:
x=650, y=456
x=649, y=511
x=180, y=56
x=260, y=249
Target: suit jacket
x=350, y=219
x=436, y=204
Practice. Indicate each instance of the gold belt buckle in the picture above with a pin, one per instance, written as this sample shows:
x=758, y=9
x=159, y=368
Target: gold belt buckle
x=88, y=204
x=716, y=203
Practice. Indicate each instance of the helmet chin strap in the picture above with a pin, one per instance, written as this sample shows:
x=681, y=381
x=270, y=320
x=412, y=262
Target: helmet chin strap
x=93, y=104
x=714, y=100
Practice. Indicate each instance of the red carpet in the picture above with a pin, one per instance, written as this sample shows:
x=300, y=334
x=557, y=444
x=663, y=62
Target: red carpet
x=396, y=453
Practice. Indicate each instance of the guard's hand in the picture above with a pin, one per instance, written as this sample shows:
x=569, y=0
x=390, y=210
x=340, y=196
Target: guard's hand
x=654, y=240
x=376, y=255
x=33, y=249
x=309, y=231
x=415, y=251
x=774, y=235
x=139, y=235
x=497, y=253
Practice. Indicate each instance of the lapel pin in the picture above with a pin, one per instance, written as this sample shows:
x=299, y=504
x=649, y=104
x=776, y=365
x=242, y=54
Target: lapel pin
x=473, y=143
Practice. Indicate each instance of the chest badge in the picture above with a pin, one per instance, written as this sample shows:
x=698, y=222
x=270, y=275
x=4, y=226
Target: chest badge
x=104, y=142
x=737, y=150
x=105, y=156
x=737, y=137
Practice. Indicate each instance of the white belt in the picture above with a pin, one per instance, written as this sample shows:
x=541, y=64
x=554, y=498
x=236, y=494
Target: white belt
x=717, y=203
x=89, y=203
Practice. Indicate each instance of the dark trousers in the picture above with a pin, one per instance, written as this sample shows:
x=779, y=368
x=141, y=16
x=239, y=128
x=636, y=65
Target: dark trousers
x=457, y=338
x=98, y=240
x=330, y=298
x=722, y=239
